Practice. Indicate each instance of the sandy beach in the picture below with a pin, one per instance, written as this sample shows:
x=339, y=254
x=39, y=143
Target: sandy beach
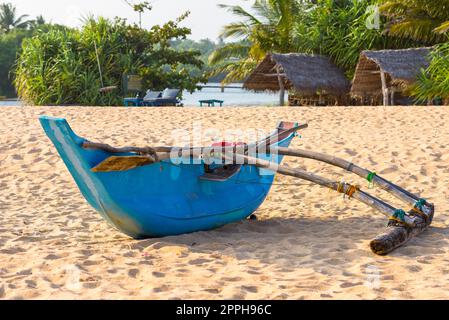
x=308, y=243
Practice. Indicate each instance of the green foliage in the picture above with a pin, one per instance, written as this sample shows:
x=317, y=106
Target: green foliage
x=433, y=83
x=10, y=44
x=9, y=19
x=59, y=66
x=342, y=29
x=428, y=22
x=268, y=28
x=420, y=20
x=13, y=29
x=204, y=46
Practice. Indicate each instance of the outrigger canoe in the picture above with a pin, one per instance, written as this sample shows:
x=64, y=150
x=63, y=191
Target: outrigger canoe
x=165, y=199
x=148, y=192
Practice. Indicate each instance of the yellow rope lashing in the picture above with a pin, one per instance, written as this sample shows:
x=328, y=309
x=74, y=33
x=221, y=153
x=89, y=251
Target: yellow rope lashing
x=352, y=190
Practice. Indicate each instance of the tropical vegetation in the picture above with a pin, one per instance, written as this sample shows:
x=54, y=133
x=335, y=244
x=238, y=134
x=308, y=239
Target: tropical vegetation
x=68, y=66
x=339, y=29
x=9, y=19
x=13, y=29
x=10, y=45
x=266, y=28
x=58, y=65
x=426, y=21
x=420, y=20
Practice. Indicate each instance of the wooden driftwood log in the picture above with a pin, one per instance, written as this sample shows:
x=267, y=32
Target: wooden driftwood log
x=398, y=234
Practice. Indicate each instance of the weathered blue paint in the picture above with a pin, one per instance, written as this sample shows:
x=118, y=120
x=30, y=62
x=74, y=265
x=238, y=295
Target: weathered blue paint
x=161, y=199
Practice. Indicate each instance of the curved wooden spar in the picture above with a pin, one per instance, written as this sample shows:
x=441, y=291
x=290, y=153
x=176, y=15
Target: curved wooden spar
x=261, y=145
x=398, y=232
x=386, y=185
x=344, y=188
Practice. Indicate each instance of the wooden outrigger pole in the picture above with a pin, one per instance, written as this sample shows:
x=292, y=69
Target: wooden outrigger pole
x=402, y=227
x=403, y=224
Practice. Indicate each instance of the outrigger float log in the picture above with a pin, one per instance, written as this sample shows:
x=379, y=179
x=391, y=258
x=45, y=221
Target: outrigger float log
x=164, y=191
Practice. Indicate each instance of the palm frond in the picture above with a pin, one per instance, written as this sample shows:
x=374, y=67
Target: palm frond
x=229, y=51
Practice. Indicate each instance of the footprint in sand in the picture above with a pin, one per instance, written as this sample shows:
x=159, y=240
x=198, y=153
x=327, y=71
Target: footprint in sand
x=350, y=284
x=52, y=257
x=26, y=272
x=133, y=273
x=199, y=261
x=163, y=288
x=89, y=263
x=91, y=285
x=252, y=289
x=158, y=274
x=414, y=268
x=213, y=291
x=352, y=153
x=389, y=170
x=31, y=284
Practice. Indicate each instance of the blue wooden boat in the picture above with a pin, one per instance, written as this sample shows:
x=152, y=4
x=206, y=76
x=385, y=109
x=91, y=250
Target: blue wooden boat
x=164, y=199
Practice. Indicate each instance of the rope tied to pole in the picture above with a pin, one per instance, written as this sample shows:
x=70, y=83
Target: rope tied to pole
x=352, y=190
x=349, y=191
x=150, y=152
x=370, y=179
x=399, y=217
x=341, y=187
x=419, y=209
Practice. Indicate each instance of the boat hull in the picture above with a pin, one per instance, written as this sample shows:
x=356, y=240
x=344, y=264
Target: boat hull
x=162, y=199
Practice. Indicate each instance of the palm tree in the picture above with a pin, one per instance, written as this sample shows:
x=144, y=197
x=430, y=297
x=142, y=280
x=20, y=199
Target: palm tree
x=420, y=20
x=39, y=21
x=268, y=28
x=342, y=29
x=9, y=19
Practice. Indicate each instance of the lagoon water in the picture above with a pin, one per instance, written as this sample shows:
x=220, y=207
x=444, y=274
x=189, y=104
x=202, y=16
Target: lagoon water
x=9, y=103
x=231, y=97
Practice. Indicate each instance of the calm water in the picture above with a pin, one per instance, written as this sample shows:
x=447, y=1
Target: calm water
x=9, y=103
x=231, y=97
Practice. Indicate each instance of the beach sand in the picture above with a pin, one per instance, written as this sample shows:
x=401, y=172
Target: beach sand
x=309, y=243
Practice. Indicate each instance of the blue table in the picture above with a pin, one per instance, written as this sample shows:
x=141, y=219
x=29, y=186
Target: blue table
x=211, y=103
x=137, y=102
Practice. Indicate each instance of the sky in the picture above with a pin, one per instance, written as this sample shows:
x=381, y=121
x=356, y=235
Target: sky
x=206, y=18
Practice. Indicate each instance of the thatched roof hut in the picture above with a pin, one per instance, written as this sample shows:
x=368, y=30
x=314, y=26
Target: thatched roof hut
x=384, y=72
x=306, y=75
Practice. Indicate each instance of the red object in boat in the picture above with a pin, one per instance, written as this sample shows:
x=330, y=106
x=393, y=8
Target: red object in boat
x=228, y=144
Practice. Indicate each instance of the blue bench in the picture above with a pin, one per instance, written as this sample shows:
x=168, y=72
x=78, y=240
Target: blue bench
x=137, y=102
x=211, y=103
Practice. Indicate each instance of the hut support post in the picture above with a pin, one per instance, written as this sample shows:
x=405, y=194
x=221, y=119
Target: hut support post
x=384, y=87
x=281, y=86
x=392, y=93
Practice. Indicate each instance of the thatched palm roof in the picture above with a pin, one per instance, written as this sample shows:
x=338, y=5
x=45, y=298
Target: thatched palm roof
x=400, y=66
x=306, y=74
